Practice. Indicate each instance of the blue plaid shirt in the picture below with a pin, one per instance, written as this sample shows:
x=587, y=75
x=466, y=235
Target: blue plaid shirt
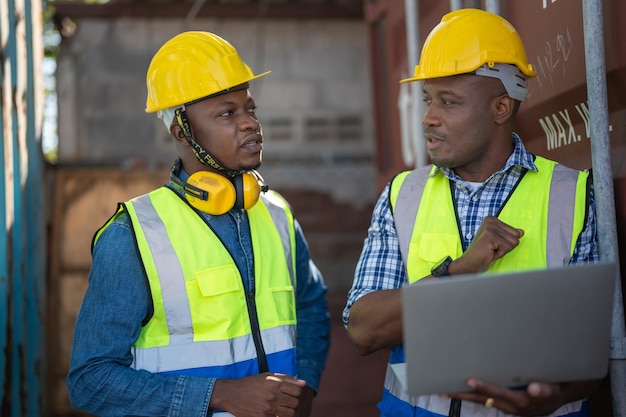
x=380, y=266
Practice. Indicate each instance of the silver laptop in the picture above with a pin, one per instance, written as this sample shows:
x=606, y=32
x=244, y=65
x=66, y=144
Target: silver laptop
x=510, y=329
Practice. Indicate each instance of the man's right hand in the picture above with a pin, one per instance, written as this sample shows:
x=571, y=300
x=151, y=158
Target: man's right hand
x=263, y=395
x=493, y=240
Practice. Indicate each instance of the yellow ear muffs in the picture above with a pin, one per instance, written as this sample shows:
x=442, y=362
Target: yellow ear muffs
x=248, y=190
x=215, y=194
x=210, y=192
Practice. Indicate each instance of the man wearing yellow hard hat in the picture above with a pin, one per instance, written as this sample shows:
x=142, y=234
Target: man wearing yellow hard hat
x=485, y=204
x=202, y=297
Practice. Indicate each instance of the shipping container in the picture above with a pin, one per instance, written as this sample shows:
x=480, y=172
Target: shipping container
x=22, y=211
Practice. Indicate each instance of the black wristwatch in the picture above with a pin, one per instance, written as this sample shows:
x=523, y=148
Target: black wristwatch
x=441, y=268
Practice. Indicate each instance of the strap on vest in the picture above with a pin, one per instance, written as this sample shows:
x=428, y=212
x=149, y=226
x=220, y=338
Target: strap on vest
x=405, y=209
x=562, y=188
x=168, y=265
x=278, y=215
x=455, y=408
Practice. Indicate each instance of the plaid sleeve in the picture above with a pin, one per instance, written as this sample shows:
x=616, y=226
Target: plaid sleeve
x=380, y=265
x=586, y=249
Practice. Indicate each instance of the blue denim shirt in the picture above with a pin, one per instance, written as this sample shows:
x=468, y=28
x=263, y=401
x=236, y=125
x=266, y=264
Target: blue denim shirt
x=117, y=301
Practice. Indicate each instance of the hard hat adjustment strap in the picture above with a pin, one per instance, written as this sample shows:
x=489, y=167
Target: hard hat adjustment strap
x=514, y=80
x=203, y=155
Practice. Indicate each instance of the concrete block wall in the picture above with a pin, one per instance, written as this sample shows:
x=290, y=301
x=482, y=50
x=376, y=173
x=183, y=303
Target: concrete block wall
x=318, y=96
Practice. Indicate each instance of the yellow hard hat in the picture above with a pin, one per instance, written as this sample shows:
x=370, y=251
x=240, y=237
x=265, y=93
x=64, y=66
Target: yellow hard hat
x=467, y=39
x=192, y=66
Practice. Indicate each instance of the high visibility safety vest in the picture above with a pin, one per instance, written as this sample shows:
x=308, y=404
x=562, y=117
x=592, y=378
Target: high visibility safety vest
x=550, y=205
x=205, y=323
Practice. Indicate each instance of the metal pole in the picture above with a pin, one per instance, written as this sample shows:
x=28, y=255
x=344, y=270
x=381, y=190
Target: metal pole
x=415, y=132
x=603, y=185
x=493, y=6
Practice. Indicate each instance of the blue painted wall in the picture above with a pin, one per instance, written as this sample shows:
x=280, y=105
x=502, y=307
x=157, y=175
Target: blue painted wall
x=22, y=212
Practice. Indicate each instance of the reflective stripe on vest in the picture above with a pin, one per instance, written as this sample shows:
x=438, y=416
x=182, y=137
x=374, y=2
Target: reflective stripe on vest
x=396, y=402
x=564, y=210
x=200, y=324
x=283, y=220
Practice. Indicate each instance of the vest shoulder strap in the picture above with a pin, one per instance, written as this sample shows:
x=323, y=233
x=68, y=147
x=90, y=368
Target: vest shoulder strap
x=282, y=216
x=565, y=216
x=405, y=203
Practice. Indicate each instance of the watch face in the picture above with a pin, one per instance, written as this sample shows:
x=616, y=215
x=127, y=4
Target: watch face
x=442, y=268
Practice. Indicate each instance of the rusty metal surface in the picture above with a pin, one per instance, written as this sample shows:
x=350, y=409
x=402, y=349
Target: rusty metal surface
x=554, y=121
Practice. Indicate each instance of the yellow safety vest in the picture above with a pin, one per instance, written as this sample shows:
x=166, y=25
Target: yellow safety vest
x=551, y=220
x=202, y=323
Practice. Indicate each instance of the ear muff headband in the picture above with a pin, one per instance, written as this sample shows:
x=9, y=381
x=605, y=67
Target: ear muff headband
x=203, y=155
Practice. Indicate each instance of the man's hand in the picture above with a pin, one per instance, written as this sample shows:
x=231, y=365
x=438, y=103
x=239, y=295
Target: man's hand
x=493, y=240
x=264, y=395
x=536, y=399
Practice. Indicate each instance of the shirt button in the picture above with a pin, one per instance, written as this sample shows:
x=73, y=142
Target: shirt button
x=475, y=198
x=468, y=236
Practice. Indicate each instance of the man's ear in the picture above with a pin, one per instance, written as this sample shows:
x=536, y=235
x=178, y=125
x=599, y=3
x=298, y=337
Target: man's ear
x=177, y=133
x=504, y=109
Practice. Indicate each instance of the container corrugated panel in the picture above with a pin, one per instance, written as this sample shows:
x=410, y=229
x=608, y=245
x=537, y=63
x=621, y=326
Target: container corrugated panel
x=554, y=121
x=22, y=211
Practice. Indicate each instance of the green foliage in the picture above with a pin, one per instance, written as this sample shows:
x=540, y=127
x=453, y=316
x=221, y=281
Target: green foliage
x=51, y=36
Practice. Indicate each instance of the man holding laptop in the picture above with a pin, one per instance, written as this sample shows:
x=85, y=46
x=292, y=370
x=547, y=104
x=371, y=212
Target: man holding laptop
x=485, y=205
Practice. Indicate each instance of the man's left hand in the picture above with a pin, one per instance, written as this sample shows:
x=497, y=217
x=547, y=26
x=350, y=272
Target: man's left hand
x=536, y=399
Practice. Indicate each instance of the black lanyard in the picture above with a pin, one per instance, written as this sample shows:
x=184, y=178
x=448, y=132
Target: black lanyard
x=455, y=408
